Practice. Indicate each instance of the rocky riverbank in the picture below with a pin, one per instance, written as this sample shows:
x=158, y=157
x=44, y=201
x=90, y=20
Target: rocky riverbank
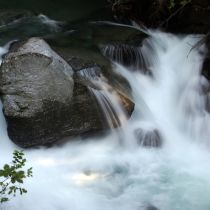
x=45, y=80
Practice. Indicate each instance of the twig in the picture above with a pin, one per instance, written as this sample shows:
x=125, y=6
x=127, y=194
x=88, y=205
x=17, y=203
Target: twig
x=174, y=14
x=199, y=43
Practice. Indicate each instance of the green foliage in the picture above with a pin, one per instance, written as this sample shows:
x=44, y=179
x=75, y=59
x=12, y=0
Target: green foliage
x=119, y=2
x=171, y=4
x=174, y=3
x=12, y=177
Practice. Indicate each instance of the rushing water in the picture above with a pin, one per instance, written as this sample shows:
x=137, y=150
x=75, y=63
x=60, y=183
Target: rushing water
x=108, y=175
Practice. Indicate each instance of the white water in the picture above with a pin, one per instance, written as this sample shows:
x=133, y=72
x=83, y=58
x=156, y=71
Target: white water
x=103, y=175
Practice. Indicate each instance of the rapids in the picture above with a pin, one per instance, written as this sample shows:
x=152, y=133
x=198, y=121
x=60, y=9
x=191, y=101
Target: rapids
x=115, y=172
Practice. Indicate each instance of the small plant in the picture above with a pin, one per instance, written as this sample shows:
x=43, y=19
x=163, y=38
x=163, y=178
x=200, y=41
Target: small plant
x=171, y=4
x=185, y=2
x=12, y=177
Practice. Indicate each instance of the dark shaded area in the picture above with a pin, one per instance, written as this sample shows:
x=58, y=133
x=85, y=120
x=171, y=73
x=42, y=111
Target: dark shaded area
x=193, y=16
x=206, y=64
x=148, y=13
x=57, y=9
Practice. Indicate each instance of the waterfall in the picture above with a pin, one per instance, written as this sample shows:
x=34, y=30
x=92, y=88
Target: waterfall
x=164, y=163
x=105, y=96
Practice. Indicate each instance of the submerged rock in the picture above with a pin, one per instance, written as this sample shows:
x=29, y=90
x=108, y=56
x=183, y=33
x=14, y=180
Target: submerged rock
x=41, y=101
x=151, y=208
x=148, y=137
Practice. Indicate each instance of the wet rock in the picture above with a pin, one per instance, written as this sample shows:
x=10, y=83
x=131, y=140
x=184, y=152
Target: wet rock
x=81, y=57
x=107, y=33
x=41, y=101
x=93, y=34
x=28, y=26
x=36, y=87
x=95, y=63
x=89, y=65
x=148, y=137
x=89, y=76
x=151, y=208
x=93, y=77
x=117, y=42
x=86, y=117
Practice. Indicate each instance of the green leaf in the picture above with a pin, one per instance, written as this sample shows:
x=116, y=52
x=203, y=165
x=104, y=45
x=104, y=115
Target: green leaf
x=4, y=199
x=14, y=177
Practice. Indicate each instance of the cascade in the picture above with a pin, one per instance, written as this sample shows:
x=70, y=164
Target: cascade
x=164, y=161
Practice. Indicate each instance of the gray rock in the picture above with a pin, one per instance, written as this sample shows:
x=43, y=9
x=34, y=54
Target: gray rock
x=93, y=77
x=36, y=87
x=42, y=102
x=88, y=66
x=83, y=59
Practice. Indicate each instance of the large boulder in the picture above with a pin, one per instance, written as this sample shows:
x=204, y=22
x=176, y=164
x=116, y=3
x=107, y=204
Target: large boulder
x=45, y=100
x=36, y=87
